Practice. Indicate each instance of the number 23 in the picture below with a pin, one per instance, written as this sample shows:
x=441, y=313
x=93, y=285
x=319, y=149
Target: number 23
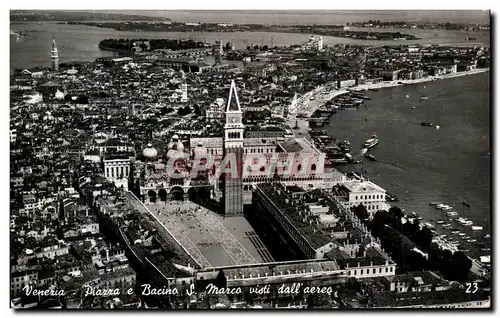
x=472, y=288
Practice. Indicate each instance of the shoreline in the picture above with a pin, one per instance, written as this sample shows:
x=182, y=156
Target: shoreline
x=307, y=106
x=326, y=30
x=417, y=81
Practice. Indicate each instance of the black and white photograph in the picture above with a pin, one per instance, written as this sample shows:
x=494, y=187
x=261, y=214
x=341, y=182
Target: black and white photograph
x=250, y=159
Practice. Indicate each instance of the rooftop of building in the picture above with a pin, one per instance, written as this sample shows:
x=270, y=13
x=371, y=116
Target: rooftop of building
x=362, y=186
x=420, y=278
x=275, y=268
x=297, y=145
x=116, y=274
x=310, y=232
x=373, y=257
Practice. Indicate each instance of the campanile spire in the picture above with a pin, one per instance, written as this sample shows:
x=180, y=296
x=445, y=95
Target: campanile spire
x=54, y=56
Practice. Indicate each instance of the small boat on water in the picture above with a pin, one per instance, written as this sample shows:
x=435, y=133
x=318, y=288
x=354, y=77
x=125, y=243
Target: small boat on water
x=414, y=215
x=471, y=240
x=452, y=213
x=440, y=205
x=426, y=124
x=445, y=208
x=464, y=222
x=433, y=203
x=348, y=157
x=371, y=142
x=440, y=222
x=447, y=225
x=487, y=236
x=391, y=198
x=371, y=157
x=424, y=98
x=455, y=232
x=461, y=234
x=477, y=228
x=429, y=225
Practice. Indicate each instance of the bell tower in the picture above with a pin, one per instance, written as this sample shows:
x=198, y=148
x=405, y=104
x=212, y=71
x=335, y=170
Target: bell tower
x=233, y=155
x=54, y=56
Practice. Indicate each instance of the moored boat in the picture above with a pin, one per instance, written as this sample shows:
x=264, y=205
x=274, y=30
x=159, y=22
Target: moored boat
x=371, y=142
x=445, y=208
x=371, y=157
x=465, y=222
x=426, y=124
x=391, y=198
x=477, y=228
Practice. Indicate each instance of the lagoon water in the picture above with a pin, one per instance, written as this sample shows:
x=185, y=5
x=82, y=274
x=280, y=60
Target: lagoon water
x=80, y=43
x=422, y=164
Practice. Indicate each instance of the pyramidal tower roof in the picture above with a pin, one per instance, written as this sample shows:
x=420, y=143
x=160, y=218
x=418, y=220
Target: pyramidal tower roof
x=54, y=46
x=233, y=104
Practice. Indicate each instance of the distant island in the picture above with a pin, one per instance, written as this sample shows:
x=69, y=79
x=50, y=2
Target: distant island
x=419, y=25
x=45, y=15
x=326, y=30
x=129, y=45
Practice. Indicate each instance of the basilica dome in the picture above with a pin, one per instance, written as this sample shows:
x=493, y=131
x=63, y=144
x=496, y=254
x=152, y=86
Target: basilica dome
x=149, y=152
x=176, y=144
x=199, y=150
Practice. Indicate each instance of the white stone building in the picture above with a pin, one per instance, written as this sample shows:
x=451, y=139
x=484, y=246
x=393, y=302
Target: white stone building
x=353, y=193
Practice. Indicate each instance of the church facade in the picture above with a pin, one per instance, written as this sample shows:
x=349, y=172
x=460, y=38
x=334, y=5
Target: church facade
x=228, y=166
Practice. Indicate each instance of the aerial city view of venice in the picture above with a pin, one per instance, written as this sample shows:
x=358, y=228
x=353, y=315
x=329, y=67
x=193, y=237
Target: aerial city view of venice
x=250, y=159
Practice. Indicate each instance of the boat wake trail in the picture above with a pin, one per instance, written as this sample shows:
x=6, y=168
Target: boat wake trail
x=394, y=165
x=361, y=154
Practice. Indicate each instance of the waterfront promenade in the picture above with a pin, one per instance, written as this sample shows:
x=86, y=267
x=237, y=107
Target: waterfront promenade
x=308, y=105
x=387, y=84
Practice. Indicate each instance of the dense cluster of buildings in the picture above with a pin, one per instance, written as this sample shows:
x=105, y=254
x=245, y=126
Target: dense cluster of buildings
x=114, y=163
